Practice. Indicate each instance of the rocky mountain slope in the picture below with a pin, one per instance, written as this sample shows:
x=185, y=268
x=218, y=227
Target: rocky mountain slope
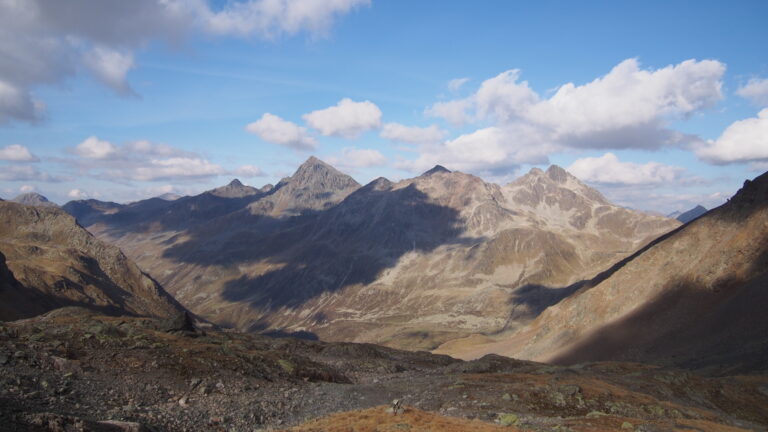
x=693, y=298
x=47, y=261
x=409, y=264
x=72, y=369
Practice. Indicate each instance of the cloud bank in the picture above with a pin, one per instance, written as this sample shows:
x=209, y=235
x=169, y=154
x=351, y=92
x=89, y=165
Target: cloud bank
x=627, y=108
x=47, y=41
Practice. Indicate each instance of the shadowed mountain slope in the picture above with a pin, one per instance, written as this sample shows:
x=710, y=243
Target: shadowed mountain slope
x=47, y=261
x=409, y=264
x=694, y=298
x=691, y=214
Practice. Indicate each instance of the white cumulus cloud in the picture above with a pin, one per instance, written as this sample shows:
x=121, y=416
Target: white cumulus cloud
x=455, y=84
x=609, y=170
x=346, y=119
x=353, y=158
x=143, y=161
x=77, y=194
x=412, y=134
x=627, y=108
x=756, y=90
x=485, y=151
x=270, y=18
x=111, y=68
x=171, y=168
x=27, y=188
x=503, y=98
x=743, y=141
x=453, y=111
x=17, y=153
x=273, y=129
x=25, y=173
x=94, y=148
x=248, y=171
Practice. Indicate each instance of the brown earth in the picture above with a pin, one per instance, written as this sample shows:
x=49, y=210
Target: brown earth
x=379, y=419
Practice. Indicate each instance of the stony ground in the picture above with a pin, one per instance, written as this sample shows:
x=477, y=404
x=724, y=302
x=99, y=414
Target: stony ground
x=71, y=370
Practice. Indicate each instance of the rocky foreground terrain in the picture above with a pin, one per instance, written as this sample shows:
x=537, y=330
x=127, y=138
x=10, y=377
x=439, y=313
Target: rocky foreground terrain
x=74, y=370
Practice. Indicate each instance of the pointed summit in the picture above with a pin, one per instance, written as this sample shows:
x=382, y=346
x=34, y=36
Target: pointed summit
x=555, y=185
x=557, y=174
x=436, y=169
x=316, y=174
x=235, y=189
x=315, y=185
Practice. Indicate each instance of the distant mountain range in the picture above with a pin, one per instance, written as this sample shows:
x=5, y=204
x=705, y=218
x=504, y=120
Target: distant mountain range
x=543, y=268
x=409, y=264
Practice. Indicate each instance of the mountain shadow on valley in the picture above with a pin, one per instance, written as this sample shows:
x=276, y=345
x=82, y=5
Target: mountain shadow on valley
x=156, y=214
x=322, y=251
x=536, y=298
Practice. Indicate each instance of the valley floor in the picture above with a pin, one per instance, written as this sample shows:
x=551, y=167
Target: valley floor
x=72, y=370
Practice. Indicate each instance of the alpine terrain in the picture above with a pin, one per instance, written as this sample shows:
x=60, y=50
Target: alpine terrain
x=692, y=298
x=409, y=264
x=48, y=261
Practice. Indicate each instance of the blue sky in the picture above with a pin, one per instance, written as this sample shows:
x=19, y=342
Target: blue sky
x=660, y=105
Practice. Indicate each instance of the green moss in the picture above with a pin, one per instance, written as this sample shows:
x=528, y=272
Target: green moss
x=506, y=419
x=286, y=365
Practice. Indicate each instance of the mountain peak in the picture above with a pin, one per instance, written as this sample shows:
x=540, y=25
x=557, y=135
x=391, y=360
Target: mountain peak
x=314, y=186
x=235, y=189
x=312, y=161
x=557, y=174
x=33, y=199
x=436, y=169
x=318, y=173
x=169, y=196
